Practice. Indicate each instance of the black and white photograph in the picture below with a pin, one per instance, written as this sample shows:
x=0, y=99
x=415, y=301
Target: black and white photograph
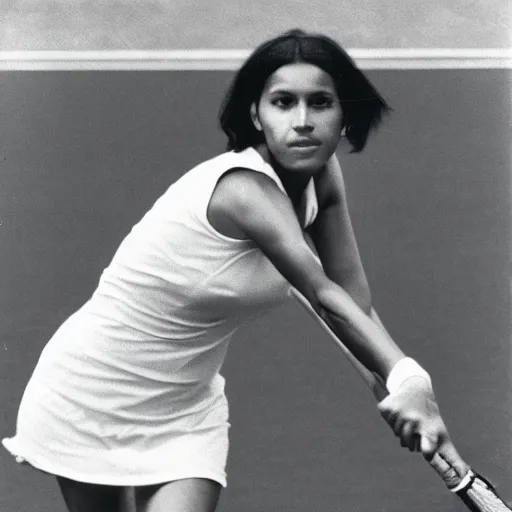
x=255, y=256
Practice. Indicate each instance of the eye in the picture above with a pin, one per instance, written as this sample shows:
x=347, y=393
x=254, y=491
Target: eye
x=283, y=102
x=322, y=101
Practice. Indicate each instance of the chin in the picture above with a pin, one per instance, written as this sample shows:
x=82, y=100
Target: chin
x=306, y=165
x=299, y=163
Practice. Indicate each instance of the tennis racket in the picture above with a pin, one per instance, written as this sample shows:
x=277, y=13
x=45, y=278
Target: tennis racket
x=474, y=490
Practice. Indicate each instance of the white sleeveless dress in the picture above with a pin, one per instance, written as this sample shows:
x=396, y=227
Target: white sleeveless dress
x=128, y=390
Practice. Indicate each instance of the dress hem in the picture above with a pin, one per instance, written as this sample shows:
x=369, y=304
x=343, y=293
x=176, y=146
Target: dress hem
x=46, y=466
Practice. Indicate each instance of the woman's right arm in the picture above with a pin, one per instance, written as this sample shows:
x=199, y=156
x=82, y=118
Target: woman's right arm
x=254, y=203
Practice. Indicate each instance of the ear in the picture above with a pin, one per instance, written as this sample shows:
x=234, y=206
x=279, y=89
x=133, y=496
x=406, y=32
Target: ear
x=255, y=118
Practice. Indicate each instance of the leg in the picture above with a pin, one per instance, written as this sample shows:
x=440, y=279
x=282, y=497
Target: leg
x=187, y=495
x=83, y=497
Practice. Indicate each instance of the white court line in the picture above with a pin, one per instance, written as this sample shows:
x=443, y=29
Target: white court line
x=218, y=60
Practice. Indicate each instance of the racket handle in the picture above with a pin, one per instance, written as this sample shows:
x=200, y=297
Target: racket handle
x=446, y=470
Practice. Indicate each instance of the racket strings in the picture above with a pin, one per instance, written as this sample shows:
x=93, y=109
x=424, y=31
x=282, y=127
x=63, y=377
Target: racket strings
x=480, y=496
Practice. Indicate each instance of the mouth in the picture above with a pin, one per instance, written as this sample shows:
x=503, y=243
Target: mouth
x=304, y=143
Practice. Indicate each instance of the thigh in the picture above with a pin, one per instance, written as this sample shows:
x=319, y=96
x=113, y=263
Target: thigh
x=187, y=495
x=84, y=497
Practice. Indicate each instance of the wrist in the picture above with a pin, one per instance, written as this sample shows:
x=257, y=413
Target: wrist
x=403, y=370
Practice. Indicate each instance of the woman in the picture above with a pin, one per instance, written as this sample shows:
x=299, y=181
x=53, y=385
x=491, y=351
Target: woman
x=127, y=393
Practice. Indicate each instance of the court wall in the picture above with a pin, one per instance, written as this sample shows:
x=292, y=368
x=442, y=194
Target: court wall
x=85, y=154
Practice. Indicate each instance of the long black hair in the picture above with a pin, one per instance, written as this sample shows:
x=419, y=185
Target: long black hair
x=362, y=106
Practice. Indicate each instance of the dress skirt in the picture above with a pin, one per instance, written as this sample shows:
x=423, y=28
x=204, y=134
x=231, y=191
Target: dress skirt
x=110, y=411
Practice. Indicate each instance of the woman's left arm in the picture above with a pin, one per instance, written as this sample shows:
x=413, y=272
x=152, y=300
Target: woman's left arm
x=334, y=239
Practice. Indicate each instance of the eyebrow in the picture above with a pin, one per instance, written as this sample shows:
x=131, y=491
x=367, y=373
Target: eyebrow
x=290, y=91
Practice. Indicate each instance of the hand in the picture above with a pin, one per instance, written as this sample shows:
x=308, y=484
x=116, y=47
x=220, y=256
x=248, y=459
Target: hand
x=449, y=465
x=413, y=415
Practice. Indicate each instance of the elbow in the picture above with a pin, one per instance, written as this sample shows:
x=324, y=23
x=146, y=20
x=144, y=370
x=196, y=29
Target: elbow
x=331, y=298
x=337, y=308
x=360, y=293
x=353, y=298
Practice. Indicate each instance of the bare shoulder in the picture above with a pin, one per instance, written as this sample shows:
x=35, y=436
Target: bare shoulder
x=242, y=196
x=244, y=190
x=254, y=207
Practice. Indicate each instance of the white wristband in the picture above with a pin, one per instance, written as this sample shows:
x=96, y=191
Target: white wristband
x=403, y=370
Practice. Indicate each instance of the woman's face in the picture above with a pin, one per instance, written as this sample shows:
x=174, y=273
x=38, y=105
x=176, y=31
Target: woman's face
x=300, y=115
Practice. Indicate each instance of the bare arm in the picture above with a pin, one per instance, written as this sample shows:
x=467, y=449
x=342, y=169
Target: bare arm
x=263, y=213
x=333, y=237
x=254, y=203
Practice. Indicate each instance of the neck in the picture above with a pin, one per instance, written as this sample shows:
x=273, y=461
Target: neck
x=293, y=183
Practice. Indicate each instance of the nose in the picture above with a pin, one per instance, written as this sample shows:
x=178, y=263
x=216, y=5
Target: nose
x=301, y=119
